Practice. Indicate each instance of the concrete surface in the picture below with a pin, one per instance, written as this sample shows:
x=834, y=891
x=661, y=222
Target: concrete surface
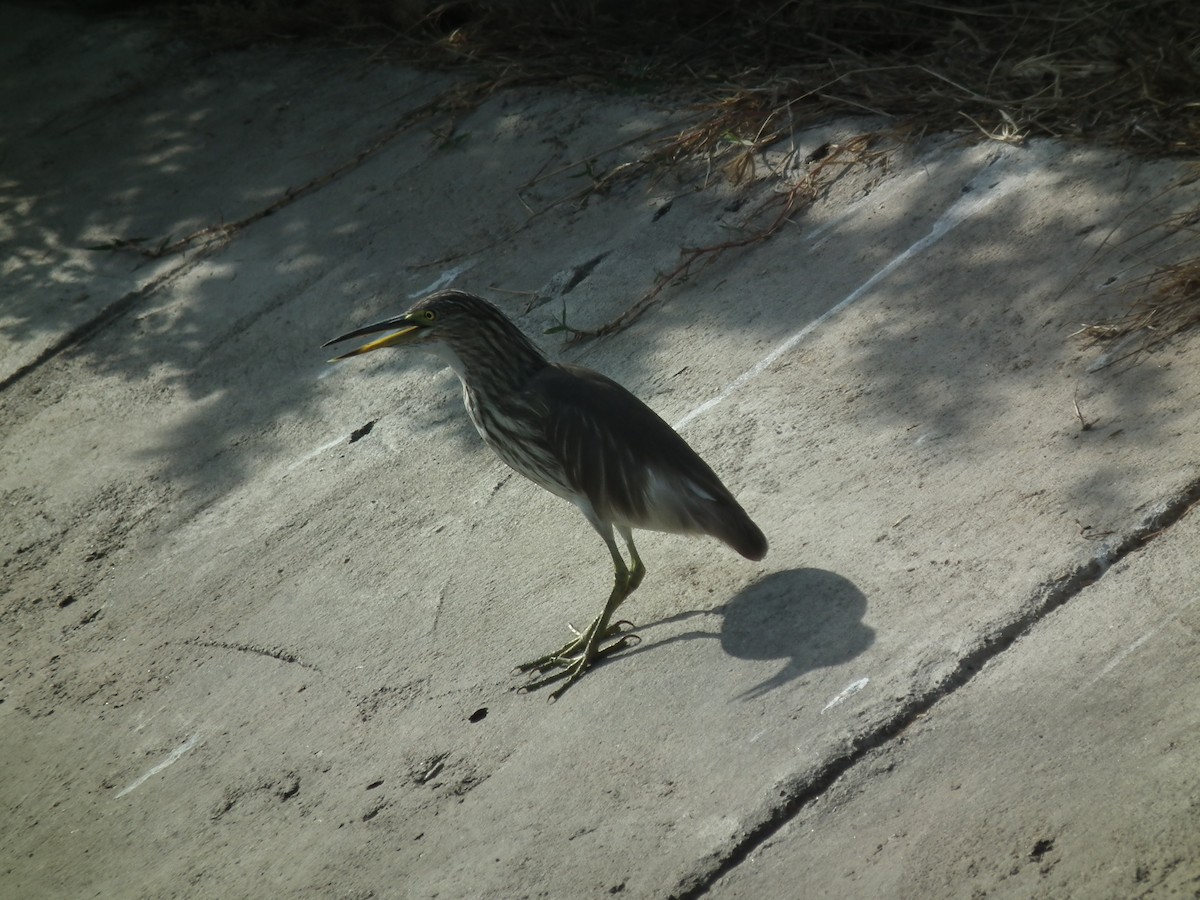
x=1068, y=768
x=245, y=655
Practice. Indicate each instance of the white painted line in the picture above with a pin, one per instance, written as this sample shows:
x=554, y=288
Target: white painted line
x=851, y=689
x=971, y=203
x=170, y=760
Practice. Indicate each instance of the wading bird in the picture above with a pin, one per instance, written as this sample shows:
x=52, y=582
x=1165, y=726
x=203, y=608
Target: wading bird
x=579, y=435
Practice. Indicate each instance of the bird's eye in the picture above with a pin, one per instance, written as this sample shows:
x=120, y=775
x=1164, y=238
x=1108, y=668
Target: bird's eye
x=428, y=315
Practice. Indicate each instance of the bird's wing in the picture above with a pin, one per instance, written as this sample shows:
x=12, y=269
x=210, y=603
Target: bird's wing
x=632, y=466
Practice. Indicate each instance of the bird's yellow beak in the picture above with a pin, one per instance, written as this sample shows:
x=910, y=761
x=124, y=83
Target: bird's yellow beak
x=405, y=331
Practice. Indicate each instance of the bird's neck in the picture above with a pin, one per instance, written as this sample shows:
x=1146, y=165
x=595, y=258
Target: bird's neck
x=496, y=363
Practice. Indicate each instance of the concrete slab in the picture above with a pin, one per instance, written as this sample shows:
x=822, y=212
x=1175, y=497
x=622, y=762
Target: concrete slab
x=1066, y=768
x=260, y=613
x=116, y=136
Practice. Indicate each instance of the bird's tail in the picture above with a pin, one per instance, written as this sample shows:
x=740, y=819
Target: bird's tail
x=737, y=530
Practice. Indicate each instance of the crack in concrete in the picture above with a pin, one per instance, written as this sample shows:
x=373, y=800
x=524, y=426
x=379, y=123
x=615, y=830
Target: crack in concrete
x=89, y=328
x=1049, y=597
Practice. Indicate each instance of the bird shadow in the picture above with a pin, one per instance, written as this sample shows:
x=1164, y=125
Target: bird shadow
x=810, y=618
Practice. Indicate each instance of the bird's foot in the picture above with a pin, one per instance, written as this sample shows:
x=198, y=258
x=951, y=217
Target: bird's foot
x=574, y=657
x=572, y=651
x=572, y=667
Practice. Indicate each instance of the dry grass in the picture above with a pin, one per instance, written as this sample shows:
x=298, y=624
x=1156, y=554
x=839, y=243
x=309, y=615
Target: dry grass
x=824, y=167
x=1168, y=305
x=1115, y=71
x=1124, y=73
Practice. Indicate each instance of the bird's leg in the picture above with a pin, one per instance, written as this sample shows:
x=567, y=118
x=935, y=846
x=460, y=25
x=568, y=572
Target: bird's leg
x=570, y=652
x=637, y=571
x=631, y=576
x=576, y=655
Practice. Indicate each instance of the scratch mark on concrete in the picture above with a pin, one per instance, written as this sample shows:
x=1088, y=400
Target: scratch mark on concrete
x=154, y=770
x=1132, y=648
x=441, y=281
x=850, y=690
x=276, y=653
x=328, y=445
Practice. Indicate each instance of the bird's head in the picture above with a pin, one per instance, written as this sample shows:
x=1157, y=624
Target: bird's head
x=439, y=316
x=466, y=331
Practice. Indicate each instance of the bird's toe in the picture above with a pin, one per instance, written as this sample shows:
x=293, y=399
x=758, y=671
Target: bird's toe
x=571, y=667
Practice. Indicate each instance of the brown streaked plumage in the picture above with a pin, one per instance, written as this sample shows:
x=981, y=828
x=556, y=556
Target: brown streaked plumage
x=579, y=435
